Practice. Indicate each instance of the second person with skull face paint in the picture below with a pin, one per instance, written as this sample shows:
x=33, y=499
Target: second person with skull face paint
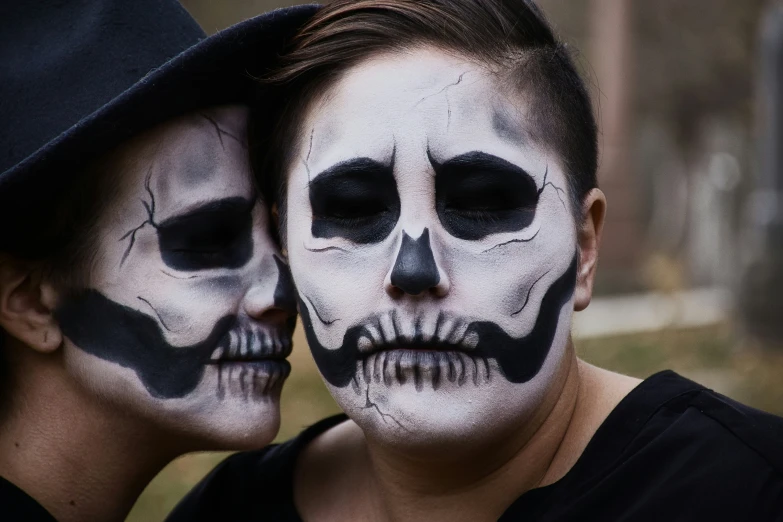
x=436, y=164
x=145, y=308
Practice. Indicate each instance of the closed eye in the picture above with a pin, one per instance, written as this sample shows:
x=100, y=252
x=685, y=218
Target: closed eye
x=356, y=200
x=478, y=194
x=218, y=235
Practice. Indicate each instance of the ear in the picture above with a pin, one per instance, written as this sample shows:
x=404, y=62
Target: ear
x=27, y=306
x=589, y=240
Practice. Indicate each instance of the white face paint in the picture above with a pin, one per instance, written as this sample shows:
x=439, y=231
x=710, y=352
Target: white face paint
x=188, y=315
x=433, y=248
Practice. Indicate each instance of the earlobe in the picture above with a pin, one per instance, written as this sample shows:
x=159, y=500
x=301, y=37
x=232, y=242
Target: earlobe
x=27, y=307
x=589, y=242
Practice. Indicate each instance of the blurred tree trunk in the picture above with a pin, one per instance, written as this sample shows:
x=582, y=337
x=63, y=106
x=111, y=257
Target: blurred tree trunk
x=611, y=54
x=761, y=305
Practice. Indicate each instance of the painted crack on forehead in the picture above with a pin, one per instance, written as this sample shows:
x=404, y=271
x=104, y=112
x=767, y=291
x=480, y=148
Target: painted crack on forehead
x=222, y=132
x=445, y=91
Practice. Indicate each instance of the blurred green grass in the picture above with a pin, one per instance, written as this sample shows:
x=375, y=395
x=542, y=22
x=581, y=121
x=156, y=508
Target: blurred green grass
x=712, y=356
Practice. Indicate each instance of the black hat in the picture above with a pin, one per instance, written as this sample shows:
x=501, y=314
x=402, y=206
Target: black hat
x=78, y=77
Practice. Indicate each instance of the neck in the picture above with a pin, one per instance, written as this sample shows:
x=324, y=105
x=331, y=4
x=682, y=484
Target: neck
x=70, y=451
x=481, y=485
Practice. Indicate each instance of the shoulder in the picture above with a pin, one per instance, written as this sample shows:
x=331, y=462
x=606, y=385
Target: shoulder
x=758, y=432
x=251, y=485
x=711, y=454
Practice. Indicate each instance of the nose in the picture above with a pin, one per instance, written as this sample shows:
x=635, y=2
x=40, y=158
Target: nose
x=260, y=303
x=415, y=270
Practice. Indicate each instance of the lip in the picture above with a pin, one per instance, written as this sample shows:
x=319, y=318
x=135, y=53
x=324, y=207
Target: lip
x=418, y=347
x=392, y=330
x=466, y=344
x=246, y=379
x=253, y=345
x=279, y=367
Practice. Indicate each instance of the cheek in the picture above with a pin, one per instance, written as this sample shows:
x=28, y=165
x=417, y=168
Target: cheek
x=506, y=284
x=342, y=279
x=345, y=284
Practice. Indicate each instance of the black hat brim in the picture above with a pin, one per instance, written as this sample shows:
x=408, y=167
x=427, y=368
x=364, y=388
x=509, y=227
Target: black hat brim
x=217, y=70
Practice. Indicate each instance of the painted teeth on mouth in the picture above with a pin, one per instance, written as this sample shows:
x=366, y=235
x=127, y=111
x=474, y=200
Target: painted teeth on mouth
x=247, y=382
x=364, y=344
x=257, y=348
x=259, y=343
x=233, y=344
x=387, y=328
x=446, y=330
x=470, y=340
x=374, y=333
x=217, y=354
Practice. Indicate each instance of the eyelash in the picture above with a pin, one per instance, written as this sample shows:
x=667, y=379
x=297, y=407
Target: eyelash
x=352, y=221
x=482, y=216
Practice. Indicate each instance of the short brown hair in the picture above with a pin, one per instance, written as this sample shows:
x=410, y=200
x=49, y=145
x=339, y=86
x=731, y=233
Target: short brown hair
x=61, y=241
x=510, y=36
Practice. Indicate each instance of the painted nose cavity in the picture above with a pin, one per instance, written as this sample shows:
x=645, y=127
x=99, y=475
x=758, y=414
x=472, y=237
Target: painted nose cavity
x=415, y=270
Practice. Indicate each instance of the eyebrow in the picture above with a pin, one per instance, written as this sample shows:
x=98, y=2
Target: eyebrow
x=506, y=128
x=350, y=167
x=478, y=160
x=232, y=205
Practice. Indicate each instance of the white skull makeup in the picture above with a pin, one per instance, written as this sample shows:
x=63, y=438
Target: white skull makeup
x=189, y=312
x=433, y=247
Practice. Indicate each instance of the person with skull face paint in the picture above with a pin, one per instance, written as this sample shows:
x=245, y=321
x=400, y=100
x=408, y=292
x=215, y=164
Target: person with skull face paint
x=145, y=309
x=438, y=202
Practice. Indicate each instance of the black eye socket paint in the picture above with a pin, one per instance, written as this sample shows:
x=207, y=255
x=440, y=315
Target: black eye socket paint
x=120, y=334
x=216, y=235
x=477, y=194
x=519, y=359
x=356, y=200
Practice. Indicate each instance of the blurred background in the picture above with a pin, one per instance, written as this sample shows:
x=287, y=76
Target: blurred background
x=688, y=98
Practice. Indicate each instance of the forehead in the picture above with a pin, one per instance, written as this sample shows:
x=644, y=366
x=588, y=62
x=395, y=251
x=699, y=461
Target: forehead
x=194, y=159
x=423, y=97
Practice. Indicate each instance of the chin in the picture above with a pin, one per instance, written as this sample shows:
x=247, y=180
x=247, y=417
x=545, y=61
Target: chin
x=450, y=417
x=234, y=420
x=445, y=418
x=234, y=433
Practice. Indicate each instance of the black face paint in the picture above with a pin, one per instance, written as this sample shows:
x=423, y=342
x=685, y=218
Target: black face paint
x=415, y=270
x=284, y=290
x=216, y=235
x=134, y=340
x=356, y=200
x=477, y=194
x=519, y=359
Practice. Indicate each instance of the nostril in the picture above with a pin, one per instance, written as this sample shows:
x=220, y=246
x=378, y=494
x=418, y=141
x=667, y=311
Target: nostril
x=415, y=270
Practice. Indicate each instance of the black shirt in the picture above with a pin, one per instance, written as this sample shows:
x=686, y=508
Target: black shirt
x=18, y=506
x=670, y=451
